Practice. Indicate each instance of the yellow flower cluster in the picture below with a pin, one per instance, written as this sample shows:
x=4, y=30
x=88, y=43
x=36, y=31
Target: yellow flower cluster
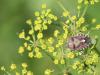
x=92, y=58
x=80, y=22
x=43, y=19
x=48, y=72
x=59, y=61
x=98, y=26
x=78, y=66
x=71, y=55
x=14, y=68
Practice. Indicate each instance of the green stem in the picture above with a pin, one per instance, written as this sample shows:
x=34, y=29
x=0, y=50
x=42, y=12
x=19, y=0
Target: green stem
x=84, y=11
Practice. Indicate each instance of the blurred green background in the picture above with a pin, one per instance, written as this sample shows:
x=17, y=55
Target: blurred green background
x=13, y=15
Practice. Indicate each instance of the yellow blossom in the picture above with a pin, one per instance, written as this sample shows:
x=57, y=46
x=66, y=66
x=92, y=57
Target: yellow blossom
x=13, y=66
x=73, y=17
x=50, y=40
x=40, y=35
x=82, y=20
x=21, y=50
x=2, y=68
x=17, y=73
x=24, y=65
x=24, y=71
x=27, y=38
x=98, y=26
x=29, y=22
x=43, y=46
x=62, y=61
x=93, y=20
x=84, y=28
x=29, y=48
x=56, y=61
x=29, y=73
x=51, y=49
x=60, y=42
x=22, y=35
x=70, y=55
x=45, y=27
x=65, y=13
x=38, y=55
x=37, y=13
x=31, y=31
x=36, y=49
x=55, y=18
x=25, y=44
x=49, y=21
x=30, y=54
x=56, y=32
x=37, y=27
x=48, y=72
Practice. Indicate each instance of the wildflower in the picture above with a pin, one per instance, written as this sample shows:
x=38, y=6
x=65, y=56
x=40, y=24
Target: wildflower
x=73, y=17
x=30, y=54
x=80, y=21
x=56, y=61
x=36, y=49
x=31, y=31
x=2, y=68
x=29, y=47
x=48, y=72
x=55, y=18
x=60, y=42
x=98, y=26
x=38, y=55
x=25, y=44
x=67, y=22
x=93, y=20
x=17, y=73
x=56, y=32
x=76, y=64
x=49, y=21
x=22, y=35
x=37, y=27
x=29, y=22
x=84, y=28
x=40, y=35
x=43, y=46
x=45, y=27
x=27, y=38
x=51, y=49
x=62, y=61
x=21, y=50
x=29, y=73
x=24, y=71
x=65, y=35
x=65, y=13
x=37, y=13
x=44, y=6
x=71, y=55
x=50, y=40
x=13, y=66
x=24, y=65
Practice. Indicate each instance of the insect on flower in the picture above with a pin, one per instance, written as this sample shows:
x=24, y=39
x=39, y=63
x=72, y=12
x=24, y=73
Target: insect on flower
x=79, y=41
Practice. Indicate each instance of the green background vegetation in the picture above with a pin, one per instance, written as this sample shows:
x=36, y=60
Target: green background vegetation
x=13, y=15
